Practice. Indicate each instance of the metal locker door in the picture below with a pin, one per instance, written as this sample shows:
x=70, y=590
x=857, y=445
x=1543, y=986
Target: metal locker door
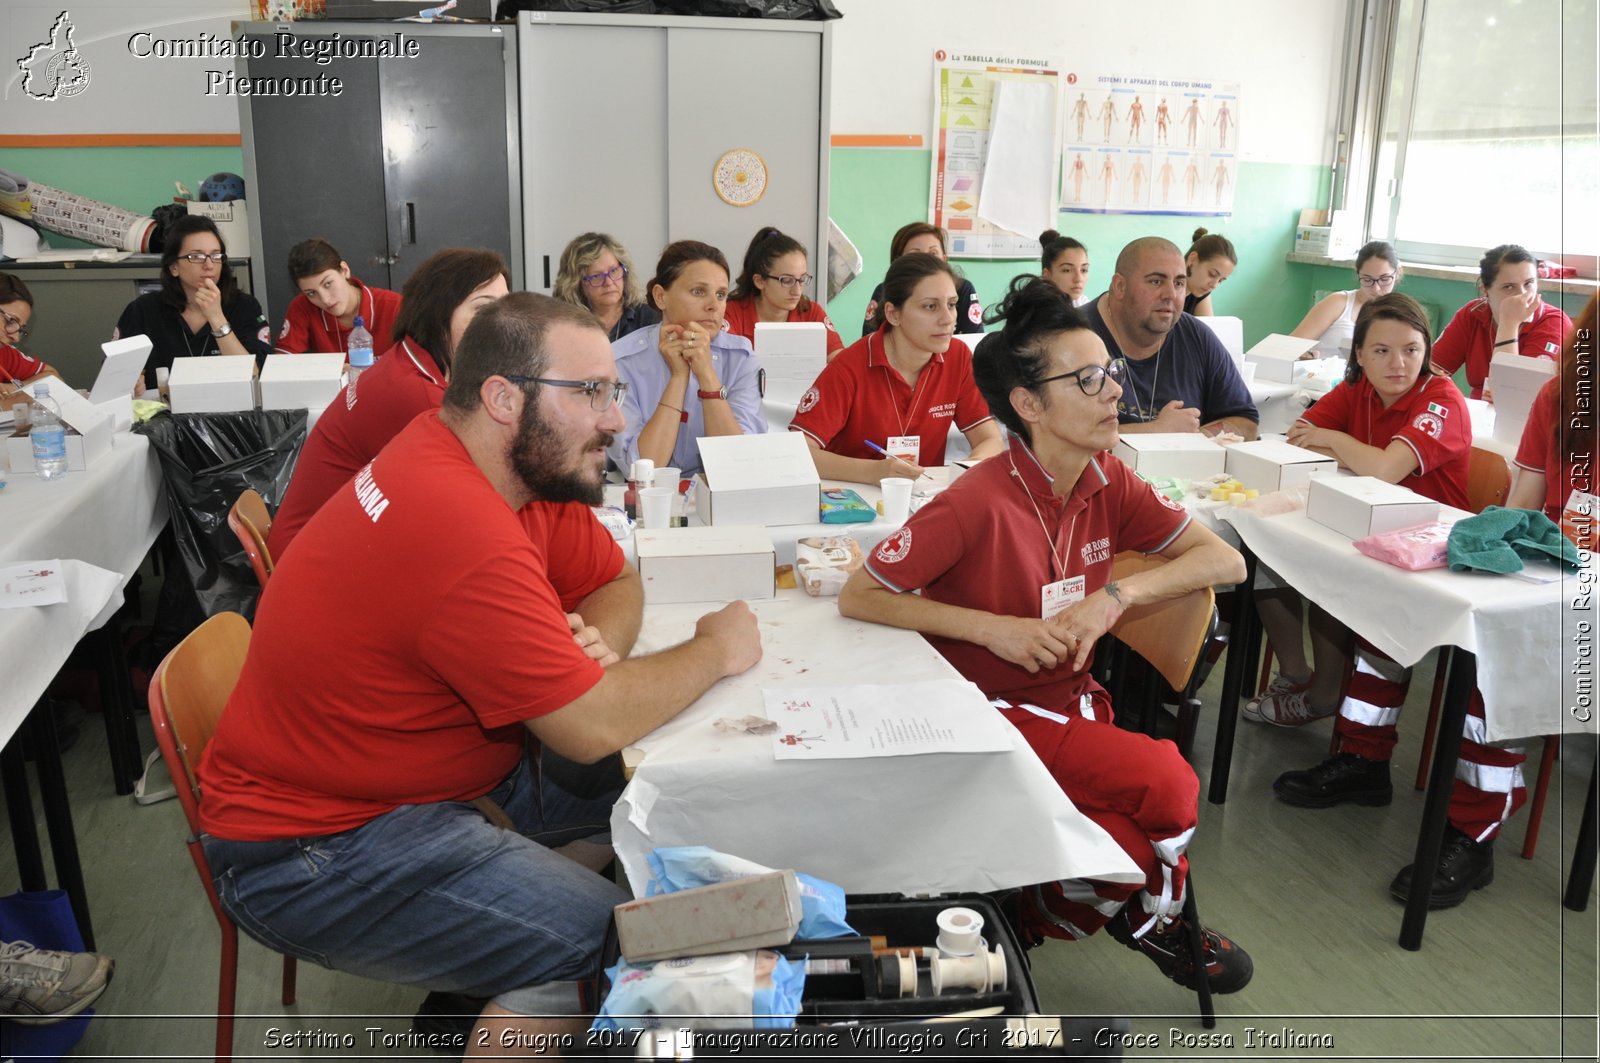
x=447, y=143
x=594, y=141
x=752, y=89
x=314, y=168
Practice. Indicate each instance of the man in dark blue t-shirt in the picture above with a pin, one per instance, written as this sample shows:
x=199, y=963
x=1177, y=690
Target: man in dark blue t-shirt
x=1179, y=376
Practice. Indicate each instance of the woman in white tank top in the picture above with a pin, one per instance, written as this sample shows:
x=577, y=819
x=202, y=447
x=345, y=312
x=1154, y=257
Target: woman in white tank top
x=1332, y=322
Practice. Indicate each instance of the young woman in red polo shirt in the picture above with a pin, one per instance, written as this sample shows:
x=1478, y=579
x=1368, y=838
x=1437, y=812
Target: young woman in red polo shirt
x=885, y=405
x=773, y=288
x=1555, y=461
x=1398, y=419
x=323, y=315
x=16, y=310
x=1508, y=317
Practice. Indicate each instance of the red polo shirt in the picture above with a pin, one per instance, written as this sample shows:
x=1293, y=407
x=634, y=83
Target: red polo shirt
x=859, y=396
x=351, y=431
x=398, y=650
x=740, y=319
x=1469, y=339
x=1537, y=450
x=1431, y=419
x=15, y=364
x=308, y=327
x=980, y=544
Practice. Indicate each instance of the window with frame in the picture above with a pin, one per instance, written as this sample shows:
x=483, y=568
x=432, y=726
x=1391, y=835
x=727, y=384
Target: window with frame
x=1481, y=127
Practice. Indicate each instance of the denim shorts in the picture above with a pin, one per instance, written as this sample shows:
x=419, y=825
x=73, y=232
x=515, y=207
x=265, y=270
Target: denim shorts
x=437, y=897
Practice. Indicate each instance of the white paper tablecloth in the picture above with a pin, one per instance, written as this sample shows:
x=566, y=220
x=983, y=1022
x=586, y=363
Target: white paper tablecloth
x=1518, y=630
x=36, y=641
x=941, y=822
x=107, y=514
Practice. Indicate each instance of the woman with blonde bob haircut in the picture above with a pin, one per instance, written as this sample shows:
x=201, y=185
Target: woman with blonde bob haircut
x=597, y=274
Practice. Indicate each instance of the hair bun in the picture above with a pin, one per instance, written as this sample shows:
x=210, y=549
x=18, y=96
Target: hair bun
x=1198, y=233
x=1048, y=236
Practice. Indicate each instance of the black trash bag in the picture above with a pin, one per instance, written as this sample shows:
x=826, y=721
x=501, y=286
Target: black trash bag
x=815, y=10
x=208, y=460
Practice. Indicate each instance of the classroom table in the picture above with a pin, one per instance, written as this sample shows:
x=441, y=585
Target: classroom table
x=934, y=823
x=1509, y=634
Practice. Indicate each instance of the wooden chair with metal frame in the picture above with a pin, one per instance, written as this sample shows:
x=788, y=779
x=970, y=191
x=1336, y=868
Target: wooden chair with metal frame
x=250, y=521
x=187, y=694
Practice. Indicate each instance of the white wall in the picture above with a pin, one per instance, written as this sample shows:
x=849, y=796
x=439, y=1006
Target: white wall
x=1285, y=54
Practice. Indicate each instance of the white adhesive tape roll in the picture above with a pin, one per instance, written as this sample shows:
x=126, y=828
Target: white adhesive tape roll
x=960, y=931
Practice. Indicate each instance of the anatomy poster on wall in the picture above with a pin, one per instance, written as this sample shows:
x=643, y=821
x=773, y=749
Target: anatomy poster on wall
x=994, y=177
x=1149, y=145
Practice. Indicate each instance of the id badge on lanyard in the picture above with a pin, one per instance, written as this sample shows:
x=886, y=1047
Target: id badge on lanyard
x=1054, y=597
x=906, y=448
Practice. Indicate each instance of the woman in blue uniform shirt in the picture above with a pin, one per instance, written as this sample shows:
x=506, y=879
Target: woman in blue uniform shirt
x=686, y=377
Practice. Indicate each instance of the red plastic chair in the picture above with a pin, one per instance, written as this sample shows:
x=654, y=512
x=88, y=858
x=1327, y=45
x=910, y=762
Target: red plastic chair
x=187, y=695
x=250, y=521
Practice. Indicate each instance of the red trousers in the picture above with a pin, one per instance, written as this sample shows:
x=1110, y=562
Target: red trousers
x=1139, y=790
x=1488, y=787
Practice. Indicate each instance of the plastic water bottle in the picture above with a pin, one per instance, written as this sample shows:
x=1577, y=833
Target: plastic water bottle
x=360, y=353
x=48, y=434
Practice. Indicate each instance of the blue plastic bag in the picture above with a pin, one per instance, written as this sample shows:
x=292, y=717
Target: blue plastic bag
x=705, y=988
x=685, y=867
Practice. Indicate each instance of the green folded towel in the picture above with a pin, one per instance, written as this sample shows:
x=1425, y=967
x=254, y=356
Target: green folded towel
x=1497, y=540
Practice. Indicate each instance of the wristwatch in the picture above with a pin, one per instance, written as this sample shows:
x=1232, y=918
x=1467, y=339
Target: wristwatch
x=706, y=396
x=225, y=330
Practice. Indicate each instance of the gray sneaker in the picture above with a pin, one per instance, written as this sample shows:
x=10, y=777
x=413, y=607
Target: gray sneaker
x=38, y=986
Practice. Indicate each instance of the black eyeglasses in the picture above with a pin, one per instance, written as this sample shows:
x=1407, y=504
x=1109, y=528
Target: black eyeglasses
x=788, y=281
x=1091, y=379
x=198, y=257
x=14, y=324
x=1381, y=281
x=602, y=393
x=605, y=276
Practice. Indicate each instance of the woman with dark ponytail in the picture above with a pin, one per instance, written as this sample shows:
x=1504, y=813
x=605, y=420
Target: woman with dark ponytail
x=773, y=288
x=1064, y=262
x=1210, y=261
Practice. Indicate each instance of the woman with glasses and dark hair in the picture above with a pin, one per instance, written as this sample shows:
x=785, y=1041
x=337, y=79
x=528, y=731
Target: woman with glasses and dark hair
x=438, y=302
x=929, y=240
x=1332, y=322
x=1508, y=317
x=199, y=309
x=885, y=405
x=16, y=368
x=324, y=314
x=687, y=377
x=773, y=288
x=596, y=273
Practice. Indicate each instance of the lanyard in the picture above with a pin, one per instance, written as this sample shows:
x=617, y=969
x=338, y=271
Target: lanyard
x=911, y=405
x=1060, y=559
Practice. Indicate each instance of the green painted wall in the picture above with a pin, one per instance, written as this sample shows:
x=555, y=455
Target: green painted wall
x=874, y=191
x=137, y=179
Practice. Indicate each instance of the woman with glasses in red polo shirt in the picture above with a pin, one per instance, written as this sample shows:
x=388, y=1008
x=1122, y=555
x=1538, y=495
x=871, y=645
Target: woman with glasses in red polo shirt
x=773, y=288
x=596, y=273
x=16, y=368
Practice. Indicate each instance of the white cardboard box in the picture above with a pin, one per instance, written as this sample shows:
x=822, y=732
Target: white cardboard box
x=301, y=381
x=1272, y=465
x=218, y=383
x=702, y=564
x=1359, y=506
x=766, y=479
x=1158, y=455
x=1276, y=355
x=732, y=916
x=1515, y=379
x=792, y=353
x=88, y=437
x=1230, y=330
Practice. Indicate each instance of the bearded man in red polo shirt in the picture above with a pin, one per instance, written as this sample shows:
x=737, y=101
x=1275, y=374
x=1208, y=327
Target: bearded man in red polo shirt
x=1013, y=563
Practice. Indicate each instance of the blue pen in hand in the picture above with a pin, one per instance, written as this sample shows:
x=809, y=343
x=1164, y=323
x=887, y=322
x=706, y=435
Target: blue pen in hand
x=870, y=445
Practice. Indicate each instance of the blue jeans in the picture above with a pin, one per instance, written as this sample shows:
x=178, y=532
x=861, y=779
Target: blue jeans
x=437, y=897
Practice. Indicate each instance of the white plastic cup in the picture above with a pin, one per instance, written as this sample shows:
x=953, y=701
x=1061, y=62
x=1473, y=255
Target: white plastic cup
x=1247, y=372
x=655, y=506
x=667, y=476
x=896, y=499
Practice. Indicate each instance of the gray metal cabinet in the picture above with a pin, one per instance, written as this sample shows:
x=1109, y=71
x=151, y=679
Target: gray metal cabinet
x=624, y=118
x=417, y=153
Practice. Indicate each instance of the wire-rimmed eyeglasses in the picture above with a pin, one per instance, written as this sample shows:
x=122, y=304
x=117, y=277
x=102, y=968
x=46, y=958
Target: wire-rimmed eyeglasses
x=602, y=393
